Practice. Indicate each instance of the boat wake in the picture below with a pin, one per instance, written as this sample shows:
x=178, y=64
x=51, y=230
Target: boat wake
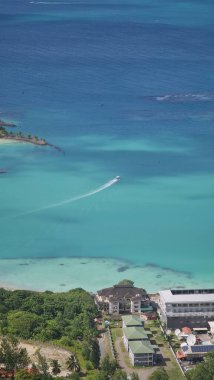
x=74, y=199
x=50, y=2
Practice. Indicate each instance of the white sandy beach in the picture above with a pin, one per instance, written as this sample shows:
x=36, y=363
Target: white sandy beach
x=6, y=141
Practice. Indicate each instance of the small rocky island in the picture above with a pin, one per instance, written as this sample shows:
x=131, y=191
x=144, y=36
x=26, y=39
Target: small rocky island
x=6, y=124
x=20, y=137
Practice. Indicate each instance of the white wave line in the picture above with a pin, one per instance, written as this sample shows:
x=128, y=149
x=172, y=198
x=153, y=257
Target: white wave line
x=73, y=199
x=50, y=2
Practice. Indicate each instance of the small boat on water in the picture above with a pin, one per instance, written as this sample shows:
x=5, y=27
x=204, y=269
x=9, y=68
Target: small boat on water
x=118, y=178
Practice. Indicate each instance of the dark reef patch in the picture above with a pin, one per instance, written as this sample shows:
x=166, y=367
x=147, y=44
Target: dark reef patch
x=123, y=268
x=23, y=264
x=189, y=275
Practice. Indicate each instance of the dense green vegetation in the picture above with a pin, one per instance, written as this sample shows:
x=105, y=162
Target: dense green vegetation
x=11, y=355
x=159, y=374
x=126, y=282
x=16, y=361
x=109, y=371
x=66, y=319
x=47, y=316
x=204, y=370
x=3, y=132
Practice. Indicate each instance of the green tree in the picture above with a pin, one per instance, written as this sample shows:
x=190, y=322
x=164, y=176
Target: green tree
x=101, y=375
x=119, y=375
x=91, y=351
x=48, y=316
x=42, y=364
x=74, y=376
x=23, y=375
x=73, y=364
x=126, y=282
x=12, y=355
x=22, y=323
x=108, y=366
x=55, y=367
x=134, y=376
x=204, y=370
x=159, y=374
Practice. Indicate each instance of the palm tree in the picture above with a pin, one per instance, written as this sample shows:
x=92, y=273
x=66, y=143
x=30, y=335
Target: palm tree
x=56, y=367
x=73, y=364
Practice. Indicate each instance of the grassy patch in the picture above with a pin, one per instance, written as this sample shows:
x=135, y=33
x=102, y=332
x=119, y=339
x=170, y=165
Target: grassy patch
x=175, y=374
x=116, y=332
x=171, y=367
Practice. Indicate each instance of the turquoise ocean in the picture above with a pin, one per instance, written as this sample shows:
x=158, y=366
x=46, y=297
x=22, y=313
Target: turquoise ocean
x=125, y=88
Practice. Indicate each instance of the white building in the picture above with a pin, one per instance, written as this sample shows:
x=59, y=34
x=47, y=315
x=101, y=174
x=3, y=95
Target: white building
x=141, y=353
x=211, y=324
x=186, y=307
x=136, y=341
x=121, y=299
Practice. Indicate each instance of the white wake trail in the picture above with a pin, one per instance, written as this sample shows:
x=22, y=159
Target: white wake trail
x=73, y=199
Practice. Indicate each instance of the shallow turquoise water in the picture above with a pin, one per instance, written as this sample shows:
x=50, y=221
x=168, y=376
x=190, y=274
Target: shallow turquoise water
x=124, y=89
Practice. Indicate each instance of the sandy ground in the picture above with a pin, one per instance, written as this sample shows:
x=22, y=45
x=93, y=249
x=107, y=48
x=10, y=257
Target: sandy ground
x=50, y=352
x=5, y=141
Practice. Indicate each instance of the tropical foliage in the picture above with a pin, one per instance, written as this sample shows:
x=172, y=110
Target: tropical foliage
x=204, y=370
x=11, y=355
x=47, y=316
x=159, y=374
x=73, y=364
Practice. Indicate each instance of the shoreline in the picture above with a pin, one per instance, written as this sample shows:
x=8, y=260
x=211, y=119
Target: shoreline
x=39, y=142
x=19, y=137
x=15, y=140
x=4, y=141
x=62, y=274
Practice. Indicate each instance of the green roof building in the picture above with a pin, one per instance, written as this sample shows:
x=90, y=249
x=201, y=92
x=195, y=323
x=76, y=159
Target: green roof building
x=141, y=353
x=135, y=333
x=132, y=321
x=136, y=341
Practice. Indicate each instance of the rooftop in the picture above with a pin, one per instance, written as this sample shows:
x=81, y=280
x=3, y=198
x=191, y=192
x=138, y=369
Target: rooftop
x=190, y=297
x=202, y=349
x=132, y=320
x=135, y=333
x=141, y=347
x=123, y=291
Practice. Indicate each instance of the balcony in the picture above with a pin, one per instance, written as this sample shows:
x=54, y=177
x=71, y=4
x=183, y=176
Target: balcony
x=191, y=314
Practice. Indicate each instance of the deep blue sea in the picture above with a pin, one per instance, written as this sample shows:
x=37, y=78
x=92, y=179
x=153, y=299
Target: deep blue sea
x=125, y=88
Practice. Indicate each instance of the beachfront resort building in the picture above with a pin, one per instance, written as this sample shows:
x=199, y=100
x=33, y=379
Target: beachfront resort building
x=136, y=341
x=120, y=299
x=186, y=307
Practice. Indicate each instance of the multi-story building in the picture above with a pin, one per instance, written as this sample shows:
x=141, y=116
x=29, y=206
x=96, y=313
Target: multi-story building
x=132, y=334
x=141, y=353
x=132, y=321
x=136, y=341
x=186, y=307
x=123, y=299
